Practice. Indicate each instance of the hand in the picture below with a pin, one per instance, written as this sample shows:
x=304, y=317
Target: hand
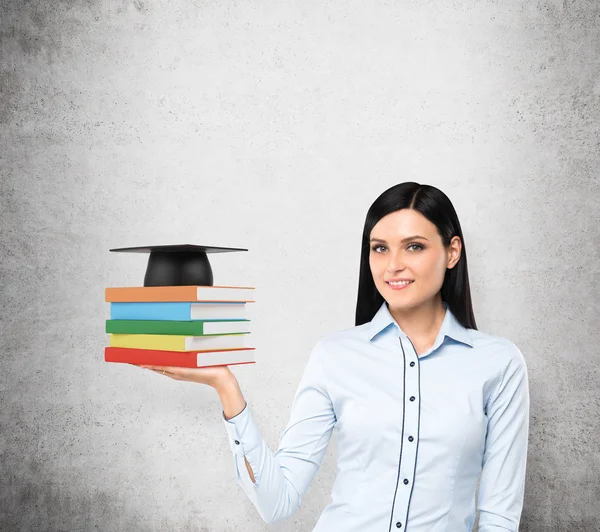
x=214, y=376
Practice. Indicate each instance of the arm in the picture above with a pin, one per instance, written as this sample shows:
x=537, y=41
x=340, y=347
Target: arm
x=502, y=485
x=233, y=403
x=276, y=482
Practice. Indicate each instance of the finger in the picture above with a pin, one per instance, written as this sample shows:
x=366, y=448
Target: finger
x=159, y=369
x=147, y=366
x=175, y=372
x=162, y=370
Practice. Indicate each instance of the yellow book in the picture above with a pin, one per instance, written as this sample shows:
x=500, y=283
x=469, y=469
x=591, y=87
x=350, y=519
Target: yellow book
x=172, y=342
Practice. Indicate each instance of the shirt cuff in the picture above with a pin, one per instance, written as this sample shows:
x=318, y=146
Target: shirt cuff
x=244, y=435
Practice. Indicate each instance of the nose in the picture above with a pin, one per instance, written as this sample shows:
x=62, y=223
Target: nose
x=395, y=263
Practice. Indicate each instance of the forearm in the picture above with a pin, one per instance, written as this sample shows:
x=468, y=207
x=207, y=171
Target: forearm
x=233, y=403
x=231, y=397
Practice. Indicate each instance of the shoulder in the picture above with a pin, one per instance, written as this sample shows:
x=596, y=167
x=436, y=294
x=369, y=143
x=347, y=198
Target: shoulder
x=500, y=354
x=343, y=338
x=499, y=347
x=341, y=345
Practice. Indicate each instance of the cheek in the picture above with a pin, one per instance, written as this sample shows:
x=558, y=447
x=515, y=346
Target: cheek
x=378, y=267
x=375, y=271
x=430, y=266
x=373, y=263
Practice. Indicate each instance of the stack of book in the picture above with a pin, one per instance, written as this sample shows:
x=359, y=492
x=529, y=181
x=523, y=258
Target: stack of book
x=185, y=326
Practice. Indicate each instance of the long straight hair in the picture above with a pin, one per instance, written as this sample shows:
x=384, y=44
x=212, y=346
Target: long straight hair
x=438, y=209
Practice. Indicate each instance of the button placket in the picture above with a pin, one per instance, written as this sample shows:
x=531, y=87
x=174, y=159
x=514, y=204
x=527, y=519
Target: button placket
x=414, y=419
x=410, y=429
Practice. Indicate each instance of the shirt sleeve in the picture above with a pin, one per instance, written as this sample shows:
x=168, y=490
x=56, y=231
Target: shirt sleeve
x=502, y=484
x=282, y=478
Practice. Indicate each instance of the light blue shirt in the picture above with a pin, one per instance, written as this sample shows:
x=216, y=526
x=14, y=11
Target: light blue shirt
x=414, y=432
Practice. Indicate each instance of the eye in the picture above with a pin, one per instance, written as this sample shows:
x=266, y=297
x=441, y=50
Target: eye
x=419, y=247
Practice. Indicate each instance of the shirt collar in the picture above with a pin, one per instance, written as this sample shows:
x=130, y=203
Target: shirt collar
x=450, y=326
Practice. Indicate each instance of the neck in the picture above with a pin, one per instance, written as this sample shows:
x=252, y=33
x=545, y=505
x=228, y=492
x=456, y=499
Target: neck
x=422, y=323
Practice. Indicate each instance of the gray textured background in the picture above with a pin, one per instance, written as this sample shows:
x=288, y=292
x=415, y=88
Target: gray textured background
x=273, y=126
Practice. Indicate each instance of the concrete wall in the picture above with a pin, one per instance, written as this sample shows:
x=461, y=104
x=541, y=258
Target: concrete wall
x=273, y=126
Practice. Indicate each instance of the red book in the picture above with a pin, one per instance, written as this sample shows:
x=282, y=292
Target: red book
x=184, y=359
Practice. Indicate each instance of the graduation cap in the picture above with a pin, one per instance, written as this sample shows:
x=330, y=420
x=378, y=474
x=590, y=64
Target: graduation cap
x=178, y=265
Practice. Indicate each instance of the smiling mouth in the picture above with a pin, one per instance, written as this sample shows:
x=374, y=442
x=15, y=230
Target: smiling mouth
x=399, y=283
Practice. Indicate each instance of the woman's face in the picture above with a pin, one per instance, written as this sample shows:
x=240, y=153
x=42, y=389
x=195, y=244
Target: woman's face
x=406, y=245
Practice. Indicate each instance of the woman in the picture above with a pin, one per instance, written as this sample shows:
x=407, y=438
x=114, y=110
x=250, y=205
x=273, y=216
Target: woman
x=423, y=402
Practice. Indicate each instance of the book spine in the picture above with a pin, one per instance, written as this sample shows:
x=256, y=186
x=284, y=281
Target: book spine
x=150, y=311
x=185, y=328
x=159, y=342
x=134, y=294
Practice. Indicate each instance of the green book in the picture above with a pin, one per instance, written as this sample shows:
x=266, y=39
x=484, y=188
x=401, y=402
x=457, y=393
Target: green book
x=188, y=328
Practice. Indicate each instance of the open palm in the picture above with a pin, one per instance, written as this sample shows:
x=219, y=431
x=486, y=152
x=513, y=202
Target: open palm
x=211, y=375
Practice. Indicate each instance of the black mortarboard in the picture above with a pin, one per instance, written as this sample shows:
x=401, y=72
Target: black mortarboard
x=178, y=265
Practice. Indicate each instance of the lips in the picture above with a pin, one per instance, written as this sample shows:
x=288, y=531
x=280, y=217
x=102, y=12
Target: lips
x=400, y=286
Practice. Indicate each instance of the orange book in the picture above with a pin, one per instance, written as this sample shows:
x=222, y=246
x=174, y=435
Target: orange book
x=143, y=294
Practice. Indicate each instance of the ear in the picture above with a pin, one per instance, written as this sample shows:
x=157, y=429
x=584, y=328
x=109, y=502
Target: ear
x=454, y=252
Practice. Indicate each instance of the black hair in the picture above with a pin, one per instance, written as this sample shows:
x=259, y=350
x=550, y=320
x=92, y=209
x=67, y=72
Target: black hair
x=438, y=209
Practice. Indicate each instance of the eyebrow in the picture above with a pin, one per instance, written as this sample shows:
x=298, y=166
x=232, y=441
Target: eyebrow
x=403, y=240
